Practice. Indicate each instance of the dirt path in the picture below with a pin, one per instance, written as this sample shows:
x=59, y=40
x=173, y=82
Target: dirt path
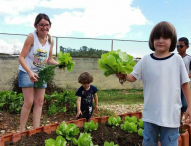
x=121, y=109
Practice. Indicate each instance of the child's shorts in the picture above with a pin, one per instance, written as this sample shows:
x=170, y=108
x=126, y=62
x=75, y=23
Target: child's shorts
x=184, y=103
x=86, y=112
x=24, y=80
x=168, y=136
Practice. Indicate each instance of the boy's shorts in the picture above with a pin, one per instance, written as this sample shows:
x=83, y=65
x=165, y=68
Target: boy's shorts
x=184, y=103
x=24, y=80
x=168, y=136
x=86, y=112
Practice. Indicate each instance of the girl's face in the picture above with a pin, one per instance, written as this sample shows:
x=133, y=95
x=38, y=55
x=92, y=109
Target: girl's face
x=86, y=86
x=162, y=44
x=43, y=27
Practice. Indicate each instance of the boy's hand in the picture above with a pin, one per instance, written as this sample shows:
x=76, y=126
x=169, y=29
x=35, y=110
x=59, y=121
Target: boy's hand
x=96, y=108
x=121, y=76
x=78, y=113
x=188, y=116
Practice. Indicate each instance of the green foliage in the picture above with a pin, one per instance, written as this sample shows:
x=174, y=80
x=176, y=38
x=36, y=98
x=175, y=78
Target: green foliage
x=65, y=60
x=110, y=144
x=60, y=141
x=140, y=132
x=85, y=139
x=90, y=126
x=116, y=62
x=83, y=51
x=114, y=121
x=47, y=73
x=11, y=101
x=129, y=127
x=141, y=123
x=68, y=131
x=131, y=119
x=63, y=102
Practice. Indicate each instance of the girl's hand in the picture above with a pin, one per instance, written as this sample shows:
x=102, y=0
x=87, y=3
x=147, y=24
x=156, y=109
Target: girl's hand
x=78, y=113
x=33, y=77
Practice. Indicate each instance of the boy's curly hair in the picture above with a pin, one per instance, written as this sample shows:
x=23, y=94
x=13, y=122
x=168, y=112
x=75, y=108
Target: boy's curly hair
x=85, y=78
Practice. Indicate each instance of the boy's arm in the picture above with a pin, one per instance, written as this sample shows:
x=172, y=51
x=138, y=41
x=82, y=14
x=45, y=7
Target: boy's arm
x=96, y=101
x=187, y=94
x=78, y=103
x=127, y=77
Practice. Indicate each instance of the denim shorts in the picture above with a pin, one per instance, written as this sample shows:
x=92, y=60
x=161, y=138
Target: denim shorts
x=184, y=103
x=168, y=136
x=24, y=80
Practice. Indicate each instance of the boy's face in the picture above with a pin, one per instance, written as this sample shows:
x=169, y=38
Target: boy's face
x=162, y=44
x=86, y=86
x=181, y=47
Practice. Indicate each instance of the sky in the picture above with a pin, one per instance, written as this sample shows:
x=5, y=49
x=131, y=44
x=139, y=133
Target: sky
x=104, y=19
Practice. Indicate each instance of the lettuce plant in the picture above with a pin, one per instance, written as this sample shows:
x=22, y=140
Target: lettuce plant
x=140, y=123
x=110, y=144
x=68, y=131
x=60, y=141
x=116, y=62
x=90, y=126
x=114, y=121
x=131, y=119
x=140, y=132
x=84, y=139
x=47, y=73
x=129, y=127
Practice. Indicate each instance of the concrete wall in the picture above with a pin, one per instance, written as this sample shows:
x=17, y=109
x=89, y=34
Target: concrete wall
x=9, y=66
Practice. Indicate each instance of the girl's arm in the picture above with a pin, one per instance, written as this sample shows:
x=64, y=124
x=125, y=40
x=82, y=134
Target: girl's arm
x=96, y=101
x=127, y=77
x=27, y=45
x=187, y=94
x=78, y=103
x=50, y=60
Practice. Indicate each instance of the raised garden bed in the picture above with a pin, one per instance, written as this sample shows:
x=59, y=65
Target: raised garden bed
x=104, y=133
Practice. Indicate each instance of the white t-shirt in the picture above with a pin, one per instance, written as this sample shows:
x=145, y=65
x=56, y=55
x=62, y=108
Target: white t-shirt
x=37, y=56
x=187, y=62
x=162, y=78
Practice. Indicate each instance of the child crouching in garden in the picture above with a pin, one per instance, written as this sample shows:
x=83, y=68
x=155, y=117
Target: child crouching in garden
x=85, y=94
x=162, y=74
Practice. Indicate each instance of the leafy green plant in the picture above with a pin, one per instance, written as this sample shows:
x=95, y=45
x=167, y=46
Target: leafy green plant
x=60, y=141
x=140, y=132
x=129, y=127
x=47, y=73
x=90, y=126
x=116, y=62
x=68, y=131
x=141, y=123
x=114, y=121
x=110, y=144
x=11, y=101
x=84, y=139
x=131, y=119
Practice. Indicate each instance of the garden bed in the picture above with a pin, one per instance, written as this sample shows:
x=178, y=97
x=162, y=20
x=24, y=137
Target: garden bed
x=102, y=134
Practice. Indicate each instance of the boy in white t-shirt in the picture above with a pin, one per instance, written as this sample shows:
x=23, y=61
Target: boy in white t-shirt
x=162, y=74
x=182, y=46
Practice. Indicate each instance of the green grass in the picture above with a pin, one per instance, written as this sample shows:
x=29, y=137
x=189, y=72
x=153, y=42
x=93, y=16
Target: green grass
x=128, y=96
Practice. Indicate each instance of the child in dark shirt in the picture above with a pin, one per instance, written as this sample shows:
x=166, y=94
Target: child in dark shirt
x=85, y=94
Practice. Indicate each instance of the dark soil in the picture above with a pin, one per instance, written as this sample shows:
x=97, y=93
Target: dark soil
x=104, y=133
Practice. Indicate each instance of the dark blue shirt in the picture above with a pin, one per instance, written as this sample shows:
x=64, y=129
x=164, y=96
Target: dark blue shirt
x=86, y=95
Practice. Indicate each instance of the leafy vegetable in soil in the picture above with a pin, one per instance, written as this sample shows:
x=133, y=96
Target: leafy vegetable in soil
x=104, y=133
